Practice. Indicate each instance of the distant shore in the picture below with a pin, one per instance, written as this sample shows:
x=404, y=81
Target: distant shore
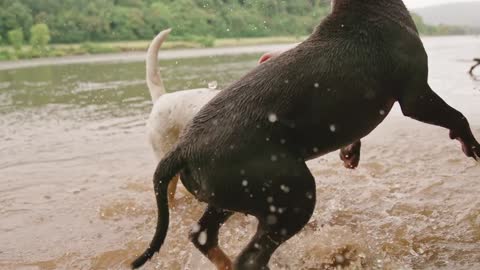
x=135, y=51
x=8, y=54
x=140, y=56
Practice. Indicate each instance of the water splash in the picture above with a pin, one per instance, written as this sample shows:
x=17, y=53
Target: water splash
x=213, y=85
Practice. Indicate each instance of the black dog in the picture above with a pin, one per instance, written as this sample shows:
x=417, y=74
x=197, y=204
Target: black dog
x=246, y=149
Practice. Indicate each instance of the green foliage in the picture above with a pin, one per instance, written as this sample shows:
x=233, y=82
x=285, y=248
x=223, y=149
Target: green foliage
x=205, y=41
x=14, y=15
x=39, y=36
x=79, y=21
x=93, y=48
x=6, y=55
x=15, y=37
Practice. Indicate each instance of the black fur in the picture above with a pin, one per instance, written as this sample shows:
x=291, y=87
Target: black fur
x=246, y=149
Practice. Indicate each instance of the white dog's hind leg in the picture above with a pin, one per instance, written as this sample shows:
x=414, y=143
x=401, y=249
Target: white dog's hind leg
x=172, y=188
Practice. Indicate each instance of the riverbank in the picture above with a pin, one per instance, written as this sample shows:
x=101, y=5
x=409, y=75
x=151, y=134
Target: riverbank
x=137, y=56
x=7, y=53
x=135, y=51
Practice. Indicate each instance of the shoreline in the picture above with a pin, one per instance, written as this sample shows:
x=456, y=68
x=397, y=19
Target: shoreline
x=137, y=56
x=169, y=53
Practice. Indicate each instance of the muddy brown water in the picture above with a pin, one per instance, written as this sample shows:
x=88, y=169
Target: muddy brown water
x=76, y=167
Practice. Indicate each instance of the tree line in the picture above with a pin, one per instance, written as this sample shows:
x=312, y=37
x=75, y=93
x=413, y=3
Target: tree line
x=79, y=21
x=73, y=21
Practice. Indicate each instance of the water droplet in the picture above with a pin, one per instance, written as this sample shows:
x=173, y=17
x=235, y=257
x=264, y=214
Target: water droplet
x=283, y=141
x=202, y=238
x=244, y=183
x=195, y=228
x=272, y=118
x=339, y=259
x=270, y=199
x=213, y=85
x=272, y=219
x=285, y=188
x=333, y=128
x=274, y=158
x=316, y=85
x=382, y=112
x=272, y=208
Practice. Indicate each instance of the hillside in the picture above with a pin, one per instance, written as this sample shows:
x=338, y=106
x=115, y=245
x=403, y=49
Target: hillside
x=460, y=14
x=73, y=21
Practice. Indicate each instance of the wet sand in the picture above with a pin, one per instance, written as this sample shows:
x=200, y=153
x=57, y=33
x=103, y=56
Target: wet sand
x=75, y=184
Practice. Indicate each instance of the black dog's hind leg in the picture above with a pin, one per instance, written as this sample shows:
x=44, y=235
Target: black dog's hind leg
x=350, y=155
x=281, y=215
x=205, y=236
x=422, y=104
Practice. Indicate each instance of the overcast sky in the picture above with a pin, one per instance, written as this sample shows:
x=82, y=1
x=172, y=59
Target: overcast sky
x=422, y=3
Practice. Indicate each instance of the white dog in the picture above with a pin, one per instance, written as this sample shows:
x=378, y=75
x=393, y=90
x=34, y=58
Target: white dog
x=171, y=112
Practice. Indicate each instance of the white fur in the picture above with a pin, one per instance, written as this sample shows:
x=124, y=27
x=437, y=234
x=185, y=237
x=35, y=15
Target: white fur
x=172, y=111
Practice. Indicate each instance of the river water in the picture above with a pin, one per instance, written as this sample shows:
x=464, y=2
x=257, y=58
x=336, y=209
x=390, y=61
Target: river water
x=76, y=167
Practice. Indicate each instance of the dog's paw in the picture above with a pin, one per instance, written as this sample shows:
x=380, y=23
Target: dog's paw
x=350, y=159
x=350, y=155
x=470, y=149
x=476, y=153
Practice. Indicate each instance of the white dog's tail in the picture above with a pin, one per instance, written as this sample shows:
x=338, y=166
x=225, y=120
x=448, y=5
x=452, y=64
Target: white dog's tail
x=154, y=79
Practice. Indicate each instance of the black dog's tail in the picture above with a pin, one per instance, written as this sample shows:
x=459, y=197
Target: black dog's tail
x=166, y=170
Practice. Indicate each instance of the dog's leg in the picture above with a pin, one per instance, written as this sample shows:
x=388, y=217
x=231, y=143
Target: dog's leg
x=350, y=155
x=282, y=212
x=205, y=236
x=273, y=230
x=474, y=66
x=422, y=104
x=172, y=188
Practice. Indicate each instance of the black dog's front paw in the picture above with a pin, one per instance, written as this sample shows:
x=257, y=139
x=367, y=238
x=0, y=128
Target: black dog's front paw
x=471, y=148
x=350, y=155
x=475, y=149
